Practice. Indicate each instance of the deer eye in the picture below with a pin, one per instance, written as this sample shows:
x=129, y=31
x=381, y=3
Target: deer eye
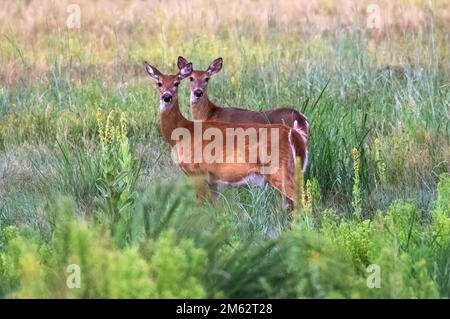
x=207, y=79
x=176, y=84
x=191, y=78
x=159, y=84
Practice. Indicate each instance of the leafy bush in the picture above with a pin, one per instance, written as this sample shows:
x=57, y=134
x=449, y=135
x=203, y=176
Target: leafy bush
x=118, y=172
x=440, y=237
x=162, y=268
x=177, y=250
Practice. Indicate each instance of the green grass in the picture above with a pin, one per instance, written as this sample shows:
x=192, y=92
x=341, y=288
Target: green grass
x=388, y=98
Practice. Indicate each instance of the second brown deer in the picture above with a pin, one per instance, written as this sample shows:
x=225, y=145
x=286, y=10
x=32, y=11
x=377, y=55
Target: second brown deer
x=202, y=108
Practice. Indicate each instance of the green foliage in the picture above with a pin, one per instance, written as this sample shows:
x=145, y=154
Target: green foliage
x=442, y=206
x=299, y=182
x=403, y=222
x=162, y=268
x=314, y=195
x=357, y=201
x=177, y=267
x=320, y=269
x=440, y=237
x=356, y=238
x=178, y=251
x=118, y=172
x=103, y=193
x=380, y=164
x=8, y=277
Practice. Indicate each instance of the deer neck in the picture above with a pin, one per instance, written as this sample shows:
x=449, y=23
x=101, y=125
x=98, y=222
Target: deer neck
x=203, y=109
x=172, y=119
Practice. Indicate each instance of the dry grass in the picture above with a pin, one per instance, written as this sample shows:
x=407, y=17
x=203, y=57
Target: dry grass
x=132, y=29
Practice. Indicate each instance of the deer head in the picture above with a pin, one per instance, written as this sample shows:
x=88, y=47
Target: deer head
x=168, y=84
x=199, y=79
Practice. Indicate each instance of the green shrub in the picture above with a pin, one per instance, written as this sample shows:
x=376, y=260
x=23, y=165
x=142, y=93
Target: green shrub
x=118, y=174
x=356, y=239
x=440, y=237
x=178, y=267
x=404, y=224
x=161, y=268
x=321, y=269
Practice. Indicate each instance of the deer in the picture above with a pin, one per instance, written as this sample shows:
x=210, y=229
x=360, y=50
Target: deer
x=246, y=164
x=202, y=108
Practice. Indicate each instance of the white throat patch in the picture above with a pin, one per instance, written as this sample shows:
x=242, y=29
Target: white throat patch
x=195, y=99
x=165, y=107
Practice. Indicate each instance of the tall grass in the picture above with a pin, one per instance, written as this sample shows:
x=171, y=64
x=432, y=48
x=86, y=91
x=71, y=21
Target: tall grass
x=384, y=93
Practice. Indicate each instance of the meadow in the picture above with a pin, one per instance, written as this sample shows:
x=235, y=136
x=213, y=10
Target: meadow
x=86, y=178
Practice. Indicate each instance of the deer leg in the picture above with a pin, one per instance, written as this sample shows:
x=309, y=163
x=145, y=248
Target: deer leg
x=286, y=187
x=289, y=204
x=201, y=187
x=201, y=194
x=213, y=189
x=206, y=188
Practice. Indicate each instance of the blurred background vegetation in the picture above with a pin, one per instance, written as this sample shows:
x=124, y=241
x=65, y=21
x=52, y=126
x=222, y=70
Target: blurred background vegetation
x=115, y=205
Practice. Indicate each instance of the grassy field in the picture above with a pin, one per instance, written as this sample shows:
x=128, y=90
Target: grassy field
x=81, y=185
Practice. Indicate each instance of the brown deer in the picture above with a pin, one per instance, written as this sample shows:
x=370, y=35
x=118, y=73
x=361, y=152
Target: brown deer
x=202, y=108
x=233, y=163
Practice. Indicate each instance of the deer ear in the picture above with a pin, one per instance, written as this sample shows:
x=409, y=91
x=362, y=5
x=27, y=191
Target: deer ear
x=215, y=66
x=185, y=71
x=181, y=62
x=152, y=71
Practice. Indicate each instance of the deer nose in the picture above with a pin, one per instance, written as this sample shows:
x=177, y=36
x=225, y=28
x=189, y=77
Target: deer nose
x=198, y=93
x=167, y=97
